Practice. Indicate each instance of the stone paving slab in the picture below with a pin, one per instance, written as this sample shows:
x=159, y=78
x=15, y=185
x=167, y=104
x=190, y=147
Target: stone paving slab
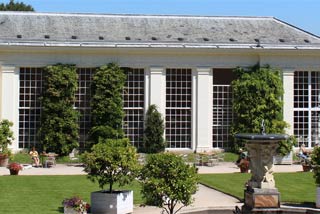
x=59, y=169
x=205, y=197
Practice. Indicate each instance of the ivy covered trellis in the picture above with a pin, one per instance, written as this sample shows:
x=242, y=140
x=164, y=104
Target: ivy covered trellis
x=107, y=103
x=258, y=93
x=59, y=130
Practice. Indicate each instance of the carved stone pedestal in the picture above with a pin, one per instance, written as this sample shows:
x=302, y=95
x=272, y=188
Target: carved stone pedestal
x=262, y=198
x=261, y=195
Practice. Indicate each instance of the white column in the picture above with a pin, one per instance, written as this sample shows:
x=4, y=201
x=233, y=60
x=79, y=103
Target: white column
x=157, y=88
x=204, y=109
x=146, y=90
x=10, y=99
x=288, y=82
x=194, y=111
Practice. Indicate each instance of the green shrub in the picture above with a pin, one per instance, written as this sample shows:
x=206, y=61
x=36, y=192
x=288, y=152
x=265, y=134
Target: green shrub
x=6, y=136
x=167, y=181
x=315, y=160
x=153, y=132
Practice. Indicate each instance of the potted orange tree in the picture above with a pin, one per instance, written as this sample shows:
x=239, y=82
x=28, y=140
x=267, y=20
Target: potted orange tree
x=112, y=161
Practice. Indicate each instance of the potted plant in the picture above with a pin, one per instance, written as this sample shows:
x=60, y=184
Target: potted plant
x=244, y=165
x=111, y=161
x=75, y=205
x=306, y=165
x=14, y=168
x=315, y=160
x=6, y=138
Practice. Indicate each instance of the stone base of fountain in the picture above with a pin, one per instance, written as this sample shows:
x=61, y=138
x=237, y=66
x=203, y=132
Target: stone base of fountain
x=257, y=198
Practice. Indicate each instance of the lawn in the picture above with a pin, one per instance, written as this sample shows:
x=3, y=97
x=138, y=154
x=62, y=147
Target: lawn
x=44, y=194
x=294, y=187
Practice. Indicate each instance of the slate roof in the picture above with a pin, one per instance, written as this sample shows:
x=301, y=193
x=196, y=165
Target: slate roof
x=98, y=30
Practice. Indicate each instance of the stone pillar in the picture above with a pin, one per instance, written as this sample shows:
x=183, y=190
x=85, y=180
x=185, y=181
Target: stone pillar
x=203, y=108
x=10, y=99
x=157, y=88
x=288, y=86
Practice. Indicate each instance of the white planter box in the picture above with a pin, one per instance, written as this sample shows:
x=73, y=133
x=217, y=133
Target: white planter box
x=283, y=159
x=120, y=202
x=318, y=198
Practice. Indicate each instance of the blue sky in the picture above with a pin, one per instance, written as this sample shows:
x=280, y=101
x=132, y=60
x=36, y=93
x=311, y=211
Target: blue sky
x=304, y=14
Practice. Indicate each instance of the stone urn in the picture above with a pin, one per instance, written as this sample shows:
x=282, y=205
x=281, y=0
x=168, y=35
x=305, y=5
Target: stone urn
x=261, y=192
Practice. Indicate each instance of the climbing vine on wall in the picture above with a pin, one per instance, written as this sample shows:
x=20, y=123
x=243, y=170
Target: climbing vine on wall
x=257, y=93
x=59, y=120
x=107, y=103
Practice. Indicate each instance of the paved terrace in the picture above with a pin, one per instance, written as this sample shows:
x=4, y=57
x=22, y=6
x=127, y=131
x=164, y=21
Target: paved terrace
x=204, y=198
x=64, y=169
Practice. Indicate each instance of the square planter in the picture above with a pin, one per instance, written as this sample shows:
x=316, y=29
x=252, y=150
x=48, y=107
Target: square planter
x=318, y=198
x=118, y=202
x=278, y=159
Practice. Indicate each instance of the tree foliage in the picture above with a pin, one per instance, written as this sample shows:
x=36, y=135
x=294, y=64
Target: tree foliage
x=153, y=132
x=315, y=160
x=59, y=120
x=111, y=161
x=168, y=182
x=107, y=104
x=257, y=93
x=15, y=6
x=6, y=136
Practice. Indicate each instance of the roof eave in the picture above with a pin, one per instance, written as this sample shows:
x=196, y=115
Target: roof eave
x=159, y=45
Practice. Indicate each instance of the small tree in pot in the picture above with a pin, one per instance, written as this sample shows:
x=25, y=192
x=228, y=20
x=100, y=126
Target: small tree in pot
x=315, y=161
x=111, y=161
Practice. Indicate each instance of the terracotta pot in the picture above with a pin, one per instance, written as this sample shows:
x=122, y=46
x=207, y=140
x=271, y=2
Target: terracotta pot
x=244, y=169
x=14, y=172
x=306, y=168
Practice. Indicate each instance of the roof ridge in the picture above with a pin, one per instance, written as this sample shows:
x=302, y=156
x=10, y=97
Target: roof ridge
x=131, y=15
x=296, y=28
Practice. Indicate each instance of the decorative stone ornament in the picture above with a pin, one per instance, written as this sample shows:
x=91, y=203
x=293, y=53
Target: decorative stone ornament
x=261, y=192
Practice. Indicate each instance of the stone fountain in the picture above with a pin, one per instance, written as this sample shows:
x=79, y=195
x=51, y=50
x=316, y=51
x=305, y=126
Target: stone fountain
x=261, y=194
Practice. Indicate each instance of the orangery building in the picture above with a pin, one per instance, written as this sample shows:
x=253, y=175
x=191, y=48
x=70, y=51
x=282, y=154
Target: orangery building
x=183, y=64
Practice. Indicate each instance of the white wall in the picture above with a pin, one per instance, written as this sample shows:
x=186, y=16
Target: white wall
x=10, y=99
x=155, y=61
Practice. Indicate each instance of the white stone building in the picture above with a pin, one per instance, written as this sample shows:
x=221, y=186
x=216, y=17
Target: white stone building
x=183, y=64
